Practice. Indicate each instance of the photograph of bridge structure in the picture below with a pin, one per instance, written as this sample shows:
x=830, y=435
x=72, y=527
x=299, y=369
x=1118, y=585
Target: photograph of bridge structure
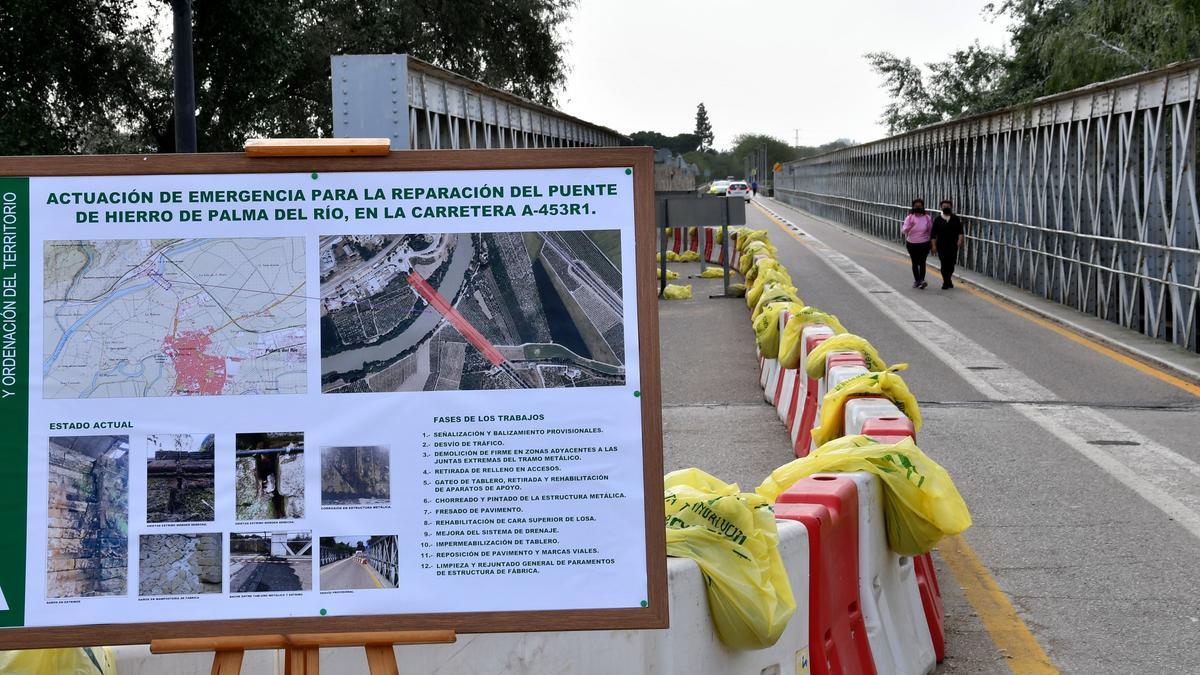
x=270, y=562
x=471, y=311
x=359, y=562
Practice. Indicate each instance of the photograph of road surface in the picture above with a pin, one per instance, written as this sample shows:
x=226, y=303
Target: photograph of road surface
x=471, y=311
x=355, y=475
x=88, y=518
x=270, y=562
x=269, y=475
x=179, y=478
x=359, y=562
x=126, y=318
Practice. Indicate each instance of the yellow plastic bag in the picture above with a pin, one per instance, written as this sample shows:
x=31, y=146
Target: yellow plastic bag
x=677, y=292
x=754, y=250
x=846, y=342
x=746, y=237
x=72, y=661
x=672, y=256
x=920, y=502
x=671, y=274
x=689, y=256
x=737, y=290
x=766, y=327
x=713, y=273
x=775, y=292
x=770, y=276
x=732, y=537
x=789, y=342
x=886, y=383
x=760, y=266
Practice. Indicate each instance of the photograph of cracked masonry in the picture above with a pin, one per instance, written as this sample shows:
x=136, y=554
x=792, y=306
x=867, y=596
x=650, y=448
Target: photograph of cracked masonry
x=88, y=519
x=179, y=478
x=269, y=475
x=355, y=475
x=359, y=562
x=270, y=562
x=179, y=564
x=471, y=311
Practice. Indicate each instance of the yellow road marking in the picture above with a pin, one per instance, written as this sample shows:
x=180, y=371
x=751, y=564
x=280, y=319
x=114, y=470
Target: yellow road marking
x=1008, y=632
x=1007, y=629
x=374, y=578
x=1071, y=335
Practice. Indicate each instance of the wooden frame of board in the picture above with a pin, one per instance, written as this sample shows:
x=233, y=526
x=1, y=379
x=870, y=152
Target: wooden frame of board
x=641, y=160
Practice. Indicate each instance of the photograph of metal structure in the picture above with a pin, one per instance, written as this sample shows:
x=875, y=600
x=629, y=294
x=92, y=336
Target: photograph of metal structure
x=269, y=473
x=270, y=562
x=359, y=562
x=471, y=311
x=1087, y=198
x=355, y=475
x=179, y=478
x=88, y=523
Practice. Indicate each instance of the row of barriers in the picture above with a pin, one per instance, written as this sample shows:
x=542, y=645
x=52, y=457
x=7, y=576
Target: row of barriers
x=870, y=610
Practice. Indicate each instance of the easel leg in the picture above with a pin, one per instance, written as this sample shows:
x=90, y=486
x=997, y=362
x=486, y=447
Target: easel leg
x=302, y=661
x=381, y=660
x=227, y=662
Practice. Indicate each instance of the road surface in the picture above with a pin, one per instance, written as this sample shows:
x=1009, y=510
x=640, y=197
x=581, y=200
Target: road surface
x=351, y=573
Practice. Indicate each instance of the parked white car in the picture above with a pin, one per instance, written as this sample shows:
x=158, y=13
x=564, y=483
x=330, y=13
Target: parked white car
x=738, y=189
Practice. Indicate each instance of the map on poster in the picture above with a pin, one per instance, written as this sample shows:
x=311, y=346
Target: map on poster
x=173, y=317
x=257, y=396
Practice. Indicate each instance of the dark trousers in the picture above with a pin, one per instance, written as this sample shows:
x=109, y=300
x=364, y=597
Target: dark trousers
x=948, y=255
x=918, y=253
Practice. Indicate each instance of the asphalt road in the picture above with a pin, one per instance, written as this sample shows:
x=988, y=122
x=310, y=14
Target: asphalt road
x=269, y=575
x=350, y=573
x=1080, y=470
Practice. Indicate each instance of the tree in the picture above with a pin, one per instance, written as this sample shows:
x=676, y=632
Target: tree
x=88, y=76
x=1057, y=45
x=962, y=84
x=678, y=144
x=703, y=128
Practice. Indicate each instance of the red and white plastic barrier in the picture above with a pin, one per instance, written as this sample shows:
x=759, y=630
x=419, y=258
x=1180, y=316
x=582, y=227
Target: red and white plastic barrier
x=887, y=584
x=827, y=506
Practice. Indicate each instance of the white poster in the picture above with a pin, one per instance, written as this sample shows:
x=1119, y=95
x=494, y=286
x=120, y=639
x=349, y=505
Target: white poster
x=283, y=395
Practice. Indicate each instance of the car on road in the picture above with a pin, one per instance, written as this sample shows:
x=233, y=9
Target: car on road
x=738, y=189
x=718, y=187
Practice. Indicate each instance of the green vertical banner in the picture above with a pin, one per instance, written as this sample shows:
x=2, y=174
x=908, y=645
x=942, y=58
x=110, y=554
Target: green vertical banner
x=14, y=395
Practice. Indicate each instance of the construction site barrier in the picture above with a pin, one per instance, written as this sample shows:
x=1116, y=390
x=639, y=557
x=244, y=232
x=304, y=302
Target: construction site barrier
x=862, y=409
x=801, y=429
x=887, y=584
x=828, y=507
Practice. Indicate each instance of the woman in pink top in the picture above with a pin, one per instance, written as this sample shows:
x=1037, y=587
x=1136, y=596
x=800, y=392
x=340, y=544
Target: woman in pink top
x=917, y=229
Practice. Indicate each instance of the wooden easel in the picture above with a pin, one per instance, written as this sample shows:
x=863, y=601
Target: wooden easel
x=301, y=650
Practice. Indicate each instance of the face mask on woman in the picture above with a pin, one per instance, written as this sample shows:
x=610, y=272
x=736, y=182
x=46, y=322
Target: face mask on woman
x=919, y=210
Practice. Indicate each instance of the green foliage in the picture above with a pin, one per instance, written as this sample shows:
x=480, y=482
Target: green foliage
x=1057, y=45
x=703, y=128
x=678, y=144
x=717, y=165
x=87, y=75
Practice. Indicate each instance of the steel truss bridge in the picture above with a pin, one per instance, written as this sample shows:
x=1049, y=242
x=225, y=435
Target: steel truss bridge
x=1087, y=198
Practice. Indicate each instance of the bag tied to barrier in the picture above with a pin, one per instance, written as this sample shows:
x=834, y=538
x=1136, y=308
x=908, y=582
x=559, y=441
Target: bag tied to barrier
x=886, y=383
x=778, y=275
x=920, y=502
x=766, y=327
x=790, y=344
x=846, y=342
x=774, y=293
x=732, y=537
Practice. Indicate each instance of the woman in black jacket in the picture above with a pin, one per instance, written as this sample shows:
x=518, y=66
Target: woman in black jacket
x=947, y=239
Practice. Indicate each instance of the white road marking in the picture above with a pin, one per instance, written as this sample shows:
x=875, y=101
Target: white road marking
x=1161, y=476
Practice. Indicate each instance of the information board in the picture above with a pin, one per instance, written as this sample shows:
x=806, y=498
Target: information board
x=268, y=395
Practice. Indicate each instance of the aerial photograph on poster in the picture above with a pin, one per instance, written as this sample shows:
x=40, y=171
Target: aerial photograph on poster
x=127, y=318
x=471, y=311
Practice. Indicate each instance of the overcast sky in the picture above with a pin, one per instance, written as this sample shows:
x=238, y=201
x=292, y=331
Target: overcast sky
x=770, y=66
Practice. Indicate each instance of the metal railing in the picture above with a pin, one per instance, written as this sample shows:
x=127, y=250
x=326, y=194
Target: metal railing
x=1087, y=198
